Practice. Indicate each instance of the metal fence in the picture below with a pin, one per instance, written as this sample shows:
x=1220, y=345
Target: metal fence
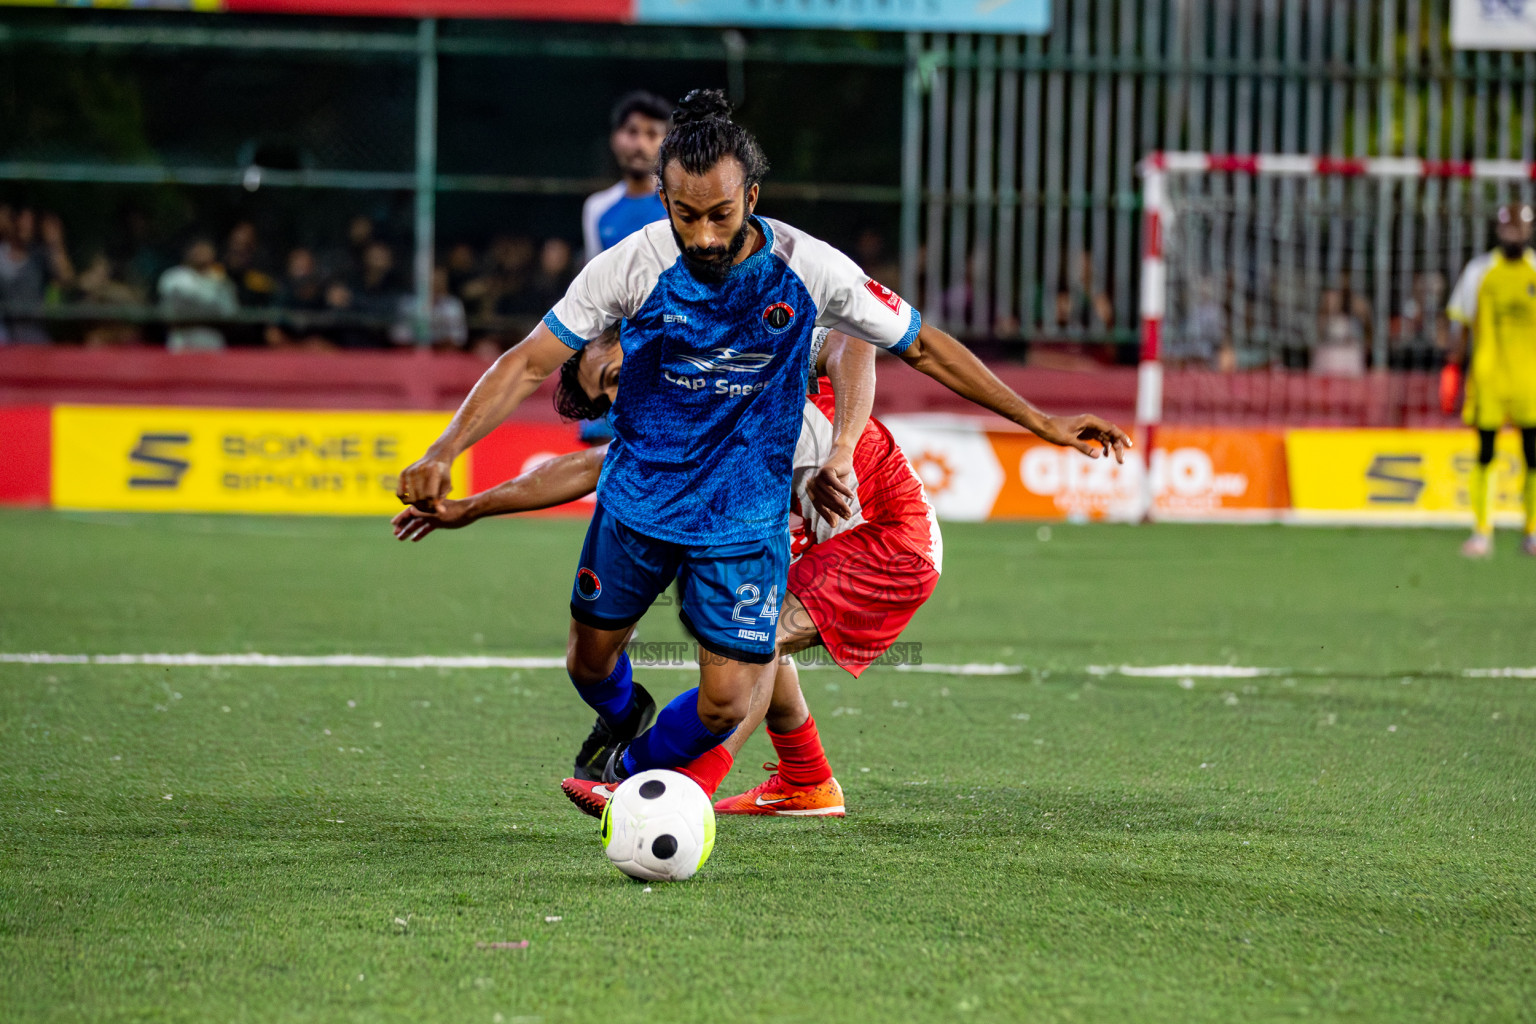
x=1003, y=166
x=442, y=130
x=1019, y=164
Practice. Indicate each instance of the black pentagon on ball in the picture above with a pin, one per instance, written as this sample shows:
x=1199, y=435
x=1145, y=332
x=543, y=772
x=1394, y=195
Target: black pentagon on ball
x=652, y=788
x=664, y=847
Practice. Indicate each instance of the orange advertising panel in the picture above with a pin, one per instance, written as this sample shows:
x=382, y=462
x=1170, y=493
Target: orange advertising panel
x=1196, y=473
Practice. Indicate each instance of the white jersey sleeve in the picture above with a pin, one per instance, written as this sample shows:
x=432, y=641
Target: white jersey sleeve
x=846, y=298
x=1462, y=305
x=613, y=286
x=592, y=211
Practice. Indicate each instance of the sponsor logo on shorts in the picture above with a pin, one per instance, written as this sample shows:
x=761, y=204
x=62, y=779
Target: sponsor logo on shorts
x=753, y=634
x=887, y=298
x=778, y=317
x=588, y=586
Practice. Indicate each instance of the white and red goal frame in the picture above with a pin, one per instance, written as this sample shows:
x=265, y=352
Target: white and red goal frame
x=1155, y=170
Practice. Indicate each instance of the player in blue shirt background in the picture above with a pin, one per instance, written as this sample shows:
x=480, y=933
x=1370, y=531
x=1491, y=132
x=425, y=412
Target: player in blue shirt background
x=719, y=308
x=637, y=125
x=639, y=122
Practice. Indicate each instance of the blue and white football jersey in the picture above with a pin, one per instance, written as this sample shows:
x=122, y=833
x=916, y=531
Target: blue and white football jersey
x=710, y=399
x=612, y=215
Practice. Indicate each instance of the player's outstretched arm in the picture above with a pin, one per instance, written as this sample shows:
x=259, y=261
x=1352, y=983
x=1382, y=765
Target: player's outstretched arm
x=952, y=364
x=561, y=479
x=500, y=390
x=850, y=364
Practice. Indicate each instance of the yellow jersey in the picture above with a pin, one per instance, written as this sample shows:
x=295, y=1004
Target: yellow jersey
x=1501, y=386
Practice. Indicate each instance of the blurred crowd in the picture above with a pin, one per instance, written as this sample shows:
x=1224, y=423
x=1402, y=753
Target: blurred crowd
x=356, y=293
x=1330, y=332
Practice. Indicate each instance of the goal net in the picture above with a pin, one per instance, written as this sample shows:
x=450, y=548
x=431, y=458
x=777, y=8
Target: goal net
x=1294, y=290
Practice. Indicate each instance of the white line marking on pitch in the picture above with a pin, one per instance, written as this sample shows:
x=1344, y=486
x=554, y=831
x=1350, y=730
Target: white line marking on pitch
x=251, y=660
x=1181, y=671
x=478, y=661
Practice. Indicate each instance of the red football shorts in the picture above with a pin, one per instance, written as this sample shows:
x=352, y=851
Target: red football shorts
x=861, y=589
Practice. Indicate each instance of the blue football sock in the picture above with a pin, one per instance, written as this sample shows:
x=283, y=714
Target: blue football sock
x=677, y=738
x=613, y=698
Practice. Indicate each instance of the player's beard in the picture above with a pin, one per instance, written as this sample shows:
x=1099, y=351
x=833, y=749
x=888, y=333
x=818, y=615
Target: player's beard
x=712, y=265
x=1512, y=250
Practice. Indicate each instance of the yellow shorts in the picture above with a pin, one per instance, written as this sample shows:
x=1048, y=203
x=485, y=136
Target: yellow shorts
x=1489, y=408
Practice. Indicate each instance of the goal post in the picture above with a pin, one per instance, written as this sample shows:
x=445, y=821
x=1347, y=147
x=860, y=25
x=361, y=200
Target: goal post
x=1289, y=290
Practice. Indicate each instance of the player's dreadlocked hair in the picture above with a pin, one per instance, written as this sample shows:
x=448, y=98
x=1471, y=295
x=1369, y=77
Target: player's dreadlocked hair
x=571, y=400
x=703, y=134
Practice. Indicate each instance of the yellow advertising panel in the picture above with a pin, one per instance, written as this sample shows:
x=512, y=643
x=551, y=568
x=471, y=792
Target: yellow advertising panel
x=137, y=458
x=1404, y=475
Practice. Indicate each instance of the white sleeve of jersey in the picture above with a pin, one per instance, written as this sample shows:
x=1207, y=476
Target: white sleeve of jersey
x=846, y=298
x=613, y=286
x=592, y=211
x=1462, y=305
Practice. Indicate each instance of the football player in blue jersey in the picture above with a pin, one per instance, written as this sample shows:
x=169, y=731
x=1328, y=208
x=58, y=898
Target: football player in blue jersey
x=640, y=121
x=719, y=309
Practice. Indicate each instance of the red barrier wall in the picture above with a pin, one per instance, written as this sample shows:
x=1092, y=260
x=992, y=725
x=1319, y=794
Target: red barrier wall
x=26, y=443
x=413, y=379
x=253, y=379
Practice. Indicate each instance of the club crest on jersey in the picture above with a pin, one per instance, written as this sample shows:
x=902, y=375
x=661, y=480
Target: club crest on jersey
x=778, y=317
x=588, y=585
x=889, y=299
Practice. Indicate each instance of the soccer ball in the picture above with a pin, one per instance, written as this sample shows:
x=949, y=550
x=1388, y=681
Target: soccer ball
x=658, y=826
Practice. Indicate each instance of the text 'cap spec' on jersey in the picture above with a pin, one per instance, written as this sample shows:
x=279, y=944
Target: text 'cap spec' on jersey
x=710, y=399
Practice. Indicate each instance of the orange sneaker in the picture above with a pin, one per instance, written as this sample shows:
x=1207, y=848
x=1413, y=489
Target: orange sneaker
x=775, y=796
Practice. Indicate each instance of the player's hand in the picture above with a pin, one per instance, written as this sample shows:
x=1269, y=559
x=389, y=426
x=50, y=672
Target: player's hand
x=1084, y=432
x=412, y=524
x=425, y=482
x=831, y=488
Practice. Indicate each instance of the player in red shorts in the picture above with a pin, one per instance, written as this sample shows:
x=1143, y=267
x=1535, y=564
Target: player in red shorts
x=855, y=580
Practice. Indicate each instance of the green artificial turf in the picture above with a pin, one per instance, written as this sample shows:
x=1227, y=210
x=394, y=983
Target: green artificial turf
x=1351, y=839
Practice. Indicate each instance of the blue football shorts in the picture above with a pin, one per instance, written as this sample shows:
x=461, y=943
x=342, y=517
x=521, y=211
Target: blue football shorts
x=730, y=592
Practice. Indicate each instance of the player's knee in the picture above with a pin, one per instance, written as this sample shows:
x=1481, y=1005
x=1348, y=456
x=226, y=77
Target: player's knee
x=587, y=667
x=722, y=714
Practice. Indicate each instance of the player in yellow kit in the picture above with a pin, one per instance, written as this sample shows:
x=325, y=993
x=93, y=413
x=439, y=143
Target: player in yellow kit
x=1501, y=381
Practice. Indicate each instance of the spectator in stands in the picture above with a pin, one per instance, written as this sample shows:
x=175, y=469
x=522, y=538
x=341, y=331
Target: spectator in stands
x=99, y=285
x=1084, y=307
x=140, y=257
x=1343, y=332
x=1422, y=333
x=506, y=276
x=553, y=275
x=194, y=289
x=28, y=268
x=301, y=296
x=345, y=262
x=374, y=295
x=462, y=267
x=447, y=328
x=245, y=265
x=1204, y=341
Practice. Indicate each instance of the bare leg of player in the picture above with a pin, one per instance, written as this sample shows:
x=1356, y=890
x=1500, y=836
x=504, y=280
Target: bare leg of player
x=803, y=786
x=591, y=654
x=782, y=705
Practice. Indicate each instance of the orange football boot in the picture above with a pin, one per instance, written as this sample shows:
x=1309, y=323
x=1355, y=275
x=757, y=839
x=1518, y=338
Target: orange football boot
x=785, y=799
